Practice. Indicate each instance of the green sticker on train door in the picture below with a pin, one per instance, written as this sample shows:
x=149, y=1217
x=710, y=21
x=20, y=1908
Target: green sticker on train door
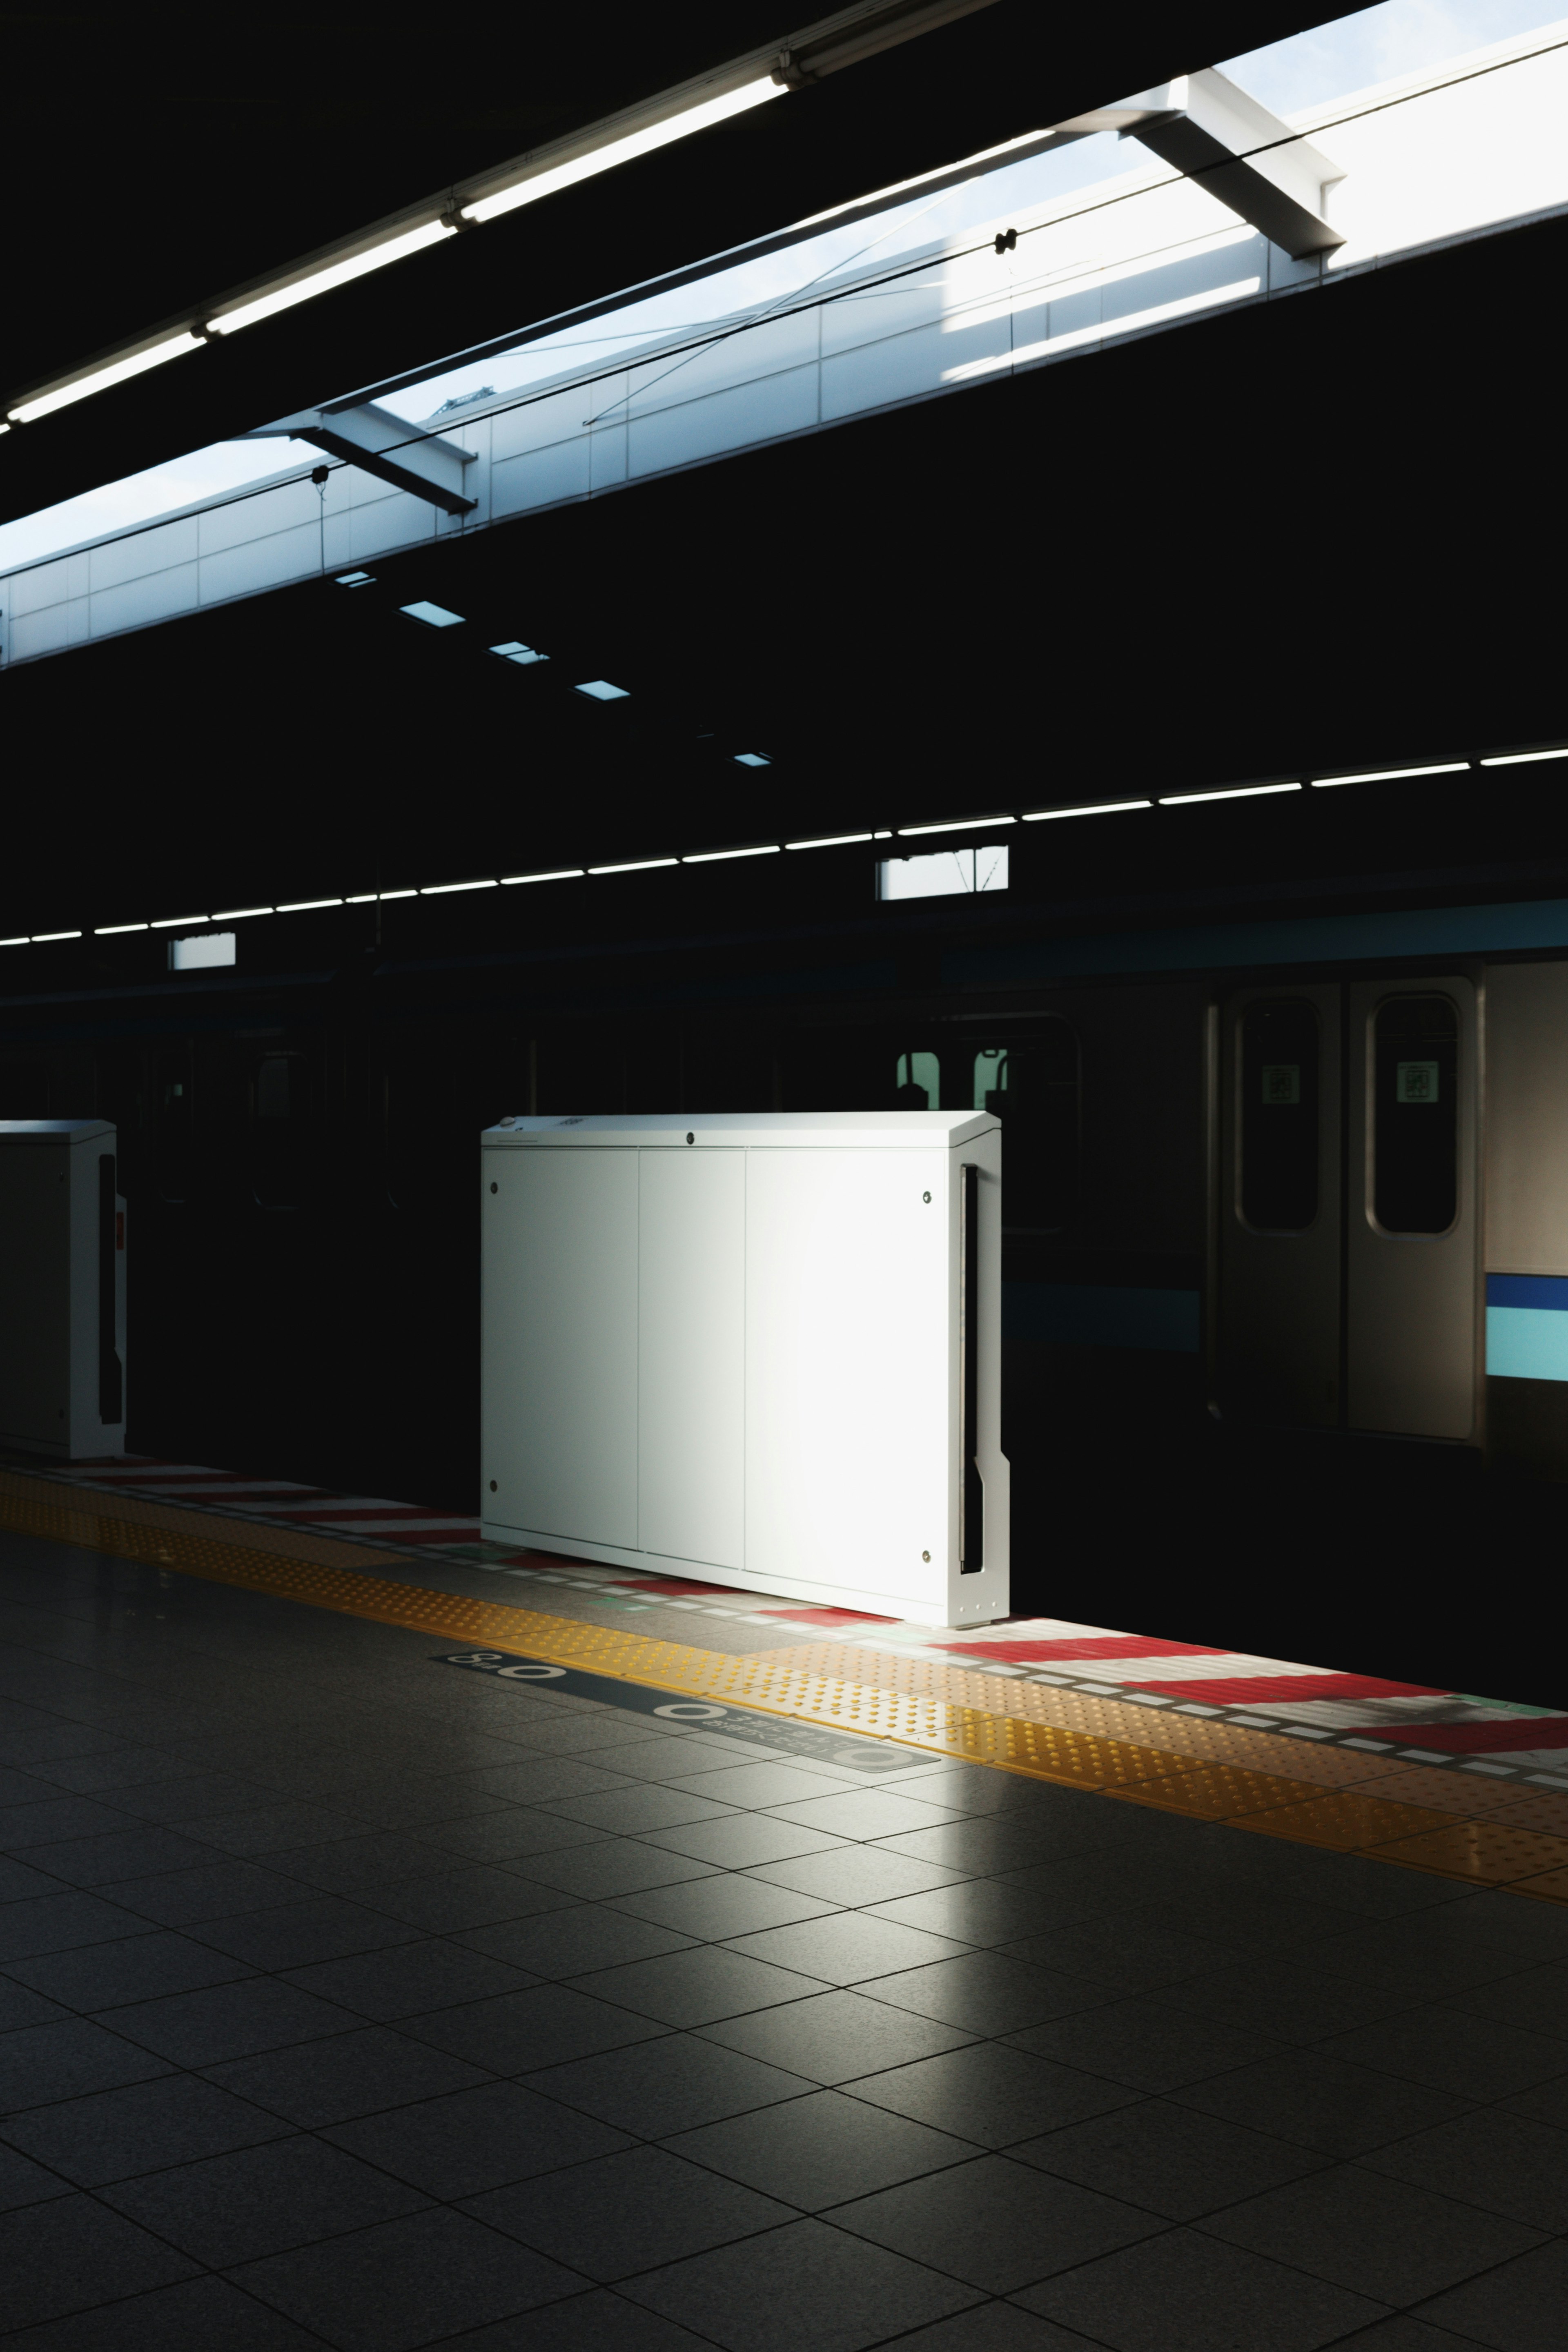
x=1282, y=1082
x=1415, y=1082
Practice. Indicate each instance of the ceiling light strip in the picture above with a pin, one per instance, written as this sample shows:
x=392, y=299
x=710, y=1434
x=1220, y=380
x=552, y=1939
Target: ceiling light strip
x=1392, y=775
x=1083, y=808
x=1228, y=793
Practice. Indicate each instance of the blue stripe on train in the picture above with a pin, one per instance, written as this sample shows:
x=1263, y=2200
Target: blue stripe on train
x=1548, y=1290
x=1096, y=1314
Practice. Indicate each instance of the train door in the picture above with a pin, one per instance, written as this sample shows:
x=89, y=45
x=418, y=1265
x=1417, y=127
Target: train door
x=1348, y=1240
x=1280, y=1226
x=1413, y=1231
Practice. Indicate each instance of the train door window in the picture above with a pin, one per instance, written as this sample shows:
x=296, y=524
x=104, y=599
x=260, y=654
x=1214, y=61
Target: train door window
x=918, y=1086
x=1279, y=1070
x=283, y=1130
x=1032, y=1085
x=1415, y=1176
x=173, y=1118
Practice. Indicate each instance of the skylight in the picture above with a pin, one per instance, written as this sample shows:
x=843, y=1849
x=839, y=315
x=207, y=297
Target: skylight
x=601, y=690
x=944, y=873
x=521, y=654
x=435, y=616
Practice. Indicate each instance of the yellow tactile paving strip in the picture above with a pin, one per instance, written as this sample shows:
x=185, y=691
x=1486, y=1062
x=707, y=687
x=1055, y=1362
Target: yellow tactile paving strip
x=1371, y=1805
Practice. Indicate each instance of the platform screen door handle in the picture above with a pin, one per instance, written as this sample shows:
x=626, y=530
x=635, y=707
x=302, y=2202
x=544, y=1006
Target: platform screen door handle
x=971, y=1507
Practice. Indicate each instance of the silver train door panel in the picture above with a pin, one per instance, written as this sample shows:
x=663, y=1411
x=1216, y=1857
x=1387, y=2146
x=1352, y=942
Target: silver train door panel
x=1280, y=1192
x=1414, y=1210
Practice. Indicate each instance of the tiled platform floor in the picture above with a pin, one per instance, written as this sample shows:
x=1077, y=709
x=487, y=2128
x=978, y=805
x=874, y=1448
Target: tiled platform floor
x=346, y=1999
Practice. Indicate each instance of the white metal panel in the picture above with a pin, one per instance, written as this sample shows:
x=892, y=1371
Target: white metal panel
x=559, y=1444
x=691, y=1355
x=158, y=597
x=776, y=405
x=891, y=1130
x=35, y=591
x=145, y=551
x=608, y=448
x=265, y=563
x=540, y=478
x=849, y=1463
x=1527, y=1118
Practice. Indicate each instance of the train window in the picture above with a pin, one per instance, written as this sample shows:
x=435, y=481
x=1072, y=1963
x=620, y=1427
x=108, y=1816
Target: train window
x=918, y=1086
x=1416, y=1175
x=1031, y=1084
x=1279, y=1055
x=173, y=1128
x=282, y=1130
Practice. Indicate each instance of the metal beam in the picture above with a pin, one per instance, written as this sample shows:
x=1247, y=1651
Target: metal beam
x=378, y=443
x=1221, y=137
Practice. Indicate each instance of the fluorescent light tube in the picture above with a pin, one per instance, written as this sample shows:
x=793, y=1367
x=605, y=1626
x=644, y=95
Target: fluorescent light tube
x=557, y=874
x=119, y=371
x=830, y=841
x=365, y=899
x=21, y=940
x=111, y=930
x=309, y=906
x=955, y=825
x=435, y=616
x=441, y=889
x=752, y=759
x=1519, y=759
x=1389, y=776
x=234, y=914
x=709, y=856
x=171, y=922
x=39, y=937
x=1088, y=808
x=1229, y=793
x=636, y=866
x=323, y=281
x=556, y=176
x=602, y=690
x=399, y=894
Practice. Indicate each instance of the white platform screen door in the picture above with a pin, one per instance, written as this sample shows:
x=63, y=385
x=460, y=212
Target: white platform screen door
x=691, y=1353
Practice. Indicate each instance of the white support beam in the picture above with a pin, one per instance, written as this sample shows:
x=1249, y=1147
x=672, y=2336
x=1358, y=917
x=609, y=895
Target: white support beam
x=381, y=444
x=1219, y=135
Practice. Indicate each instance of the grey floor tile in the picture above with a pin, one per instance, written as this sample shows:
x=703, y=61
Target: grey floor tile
x=982, y=1911
x=407, y=2284
x=569, y=1939
x=1425, y=1957
x=988, y=1993
x=545, y=1779
x=866, y=1813
x=847, y=1947
x=1105, y=1953
x=473, y=2140
x=996, y=2224
x=1184, y=2293
x=613, y=1866
x=637, y=1807
x=835, y=2036
x=363, y=1865
x=755, y=1785
x=133, y=1851
x=806, y=2284
x=230, y=2020
x=1288, y=1999
x=204, y=2314
x=1535, y=1998
x=70, y=2254
x=214, y=1890
x=744, y=1841
x=131, y=1968
x=39, y=2063
x=670, y=2085
x=629, y=2212
x=507, y=1834
x=1377, y=2237
x=983, y=1848
x=19, y=1878
x=314, y=2083
x=860, y=1875
x=1145, y=2045
x=57, y=1923
x=698, y=1986
x=141, y=2128
x=1469, y=2057
x=1518, y=2307
x=1547, y=2103
x=453, y=1902
x=323, y=1928
x=113, y=1768
x=821, y=2150
x=601, y=2321
x=1168, y=2159
x=992, y=2094
x=50, y=1817
x=262, y=2200
x=407, y=1981
x=186, y=1802
x=545, y=2025
x=19, y=2005
x=724, y=1905
x=1504, y=2162
x=23, y=2182
x=1321, y=2103
x=995, y=2327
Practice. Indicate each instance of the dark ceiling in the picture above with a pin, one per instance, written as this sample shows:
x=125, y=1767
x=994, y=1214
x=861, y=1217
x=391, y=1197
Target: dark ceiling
x=157, y=157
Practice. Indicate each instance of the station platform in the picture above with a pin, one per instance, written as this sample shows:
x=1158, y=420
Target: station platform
x=406, y=1941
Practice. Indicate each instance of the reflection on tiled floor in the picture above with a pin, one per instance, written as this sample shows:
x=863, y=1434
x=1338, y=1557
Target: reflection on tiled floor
x=352, y=1996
